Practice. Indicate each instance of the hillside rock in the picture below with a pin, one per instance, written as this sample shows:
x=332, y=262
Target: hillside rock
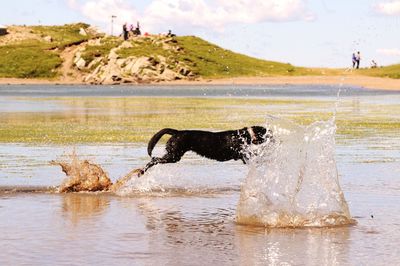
x=94, y=42
x=80, y=63
x=114, y=69
x=125, y=45
x=47, y=39
x=82, y=32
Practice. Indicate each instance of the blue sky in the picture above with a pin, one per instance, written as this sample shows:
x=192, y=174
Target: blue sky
x=313, y=33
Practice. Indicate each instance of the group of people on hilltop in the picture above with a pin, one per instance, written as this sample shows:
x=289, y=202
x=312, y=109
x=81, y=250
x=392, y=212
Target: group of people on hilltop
x=133, y=31
x=356, y=58
x=126, y=33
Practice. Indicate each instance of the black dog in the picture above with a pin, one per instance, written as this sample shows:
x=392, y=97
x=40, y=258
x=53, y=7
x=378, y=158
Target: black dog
x=220, y=146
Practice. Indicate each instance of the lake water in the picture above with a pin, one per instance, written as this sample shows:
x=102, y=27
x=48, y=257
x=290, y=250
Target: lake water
x=186, y=212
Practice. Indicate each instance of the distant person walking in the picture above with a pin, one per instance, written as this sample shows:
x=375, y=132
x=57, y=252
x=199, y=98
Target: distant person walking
x=358, y=58
x=354, y=60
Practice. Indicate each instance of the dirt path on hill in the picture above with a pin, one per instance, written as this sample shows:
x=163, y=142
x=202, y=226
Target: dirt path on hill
x=69, y=74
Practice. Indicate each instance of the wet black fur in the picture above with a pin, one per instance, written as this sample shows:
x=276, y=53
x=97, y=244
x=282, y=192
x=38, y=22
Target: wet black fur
x=220, y=146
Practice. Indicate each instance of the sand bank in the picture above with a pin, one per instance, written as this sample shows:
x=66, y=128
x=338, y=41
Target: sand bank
x=349, y=80
x=360, y=81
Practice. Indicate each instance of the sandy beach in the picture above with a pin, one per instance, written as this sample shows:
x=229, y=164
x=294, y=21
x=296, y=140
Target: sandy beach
x=350, y=80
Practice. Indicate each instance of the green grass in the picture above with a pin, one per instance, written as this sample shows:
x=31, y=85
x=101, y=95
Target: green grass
x=62, y=36
x=28, y=61
x=145, y=48
x=38, y=58
x=129, y=119
x=209, y=60
x=33, y=58
x=136, y=119
x=392, y=71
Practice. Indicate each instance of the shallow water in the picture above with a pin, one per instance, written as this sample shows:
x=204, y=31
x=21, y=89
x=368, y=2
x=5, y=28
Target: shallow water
x=191, y=218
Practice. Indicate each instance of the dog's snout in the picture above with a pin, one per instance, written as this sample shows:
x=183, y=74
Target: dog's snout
x=266, y=137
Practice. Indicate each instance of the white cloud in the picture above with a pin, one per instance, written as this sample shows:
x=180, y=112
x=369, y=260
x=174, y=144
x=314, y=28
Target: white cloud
x=220, y=13
x=389, y=52
x=227, y=11
x=186, y=14
x=391, y=8
x=102, y=10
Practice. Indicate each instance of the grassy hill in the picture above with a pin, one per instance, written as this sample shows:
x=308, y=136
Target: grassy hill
x=35, y=52
x=28, y=60
x=392, y=71
x=209, y=60
x=204, y=59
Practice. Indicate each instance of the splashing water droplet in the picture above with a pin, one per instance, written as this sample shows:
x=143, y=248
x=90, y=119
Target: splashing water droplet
x=294, y=182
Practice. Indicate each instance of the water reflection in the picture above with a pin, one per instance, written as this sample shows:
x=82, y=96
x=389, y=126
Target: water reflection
x=186, y=237
x=355, y=106
x=314, y=246
x=78, y=206
x=182, y=230
x=215, y=237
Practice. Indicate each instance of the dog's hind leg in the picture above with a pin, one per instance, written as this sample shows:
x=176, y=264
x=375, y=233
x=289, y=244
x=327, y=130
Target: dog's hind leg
x=175, y=151
x=168, y=158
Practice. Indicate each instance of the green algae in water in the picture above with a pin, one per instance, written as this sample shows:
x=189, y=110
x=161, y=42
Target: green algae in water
x=136, y=119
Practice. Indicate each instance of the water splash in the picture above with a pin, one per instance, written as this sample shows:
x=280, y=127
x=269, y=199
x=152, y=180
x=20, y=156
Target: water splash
x=82, y=175
x=176, y=180
x=293, y=182
x=165, y=180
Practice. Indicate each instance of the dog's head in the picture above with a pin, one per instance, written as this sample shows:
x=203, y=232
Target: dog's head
x=259, y=134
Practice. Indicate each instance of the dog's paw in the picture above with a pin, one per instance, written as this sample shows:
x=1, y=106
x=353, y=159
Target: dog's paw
x=139, y=172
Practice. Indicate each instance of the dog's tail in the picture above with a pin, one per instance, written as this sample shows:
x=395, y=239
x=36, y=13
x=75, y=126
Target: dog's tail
x=153, y=141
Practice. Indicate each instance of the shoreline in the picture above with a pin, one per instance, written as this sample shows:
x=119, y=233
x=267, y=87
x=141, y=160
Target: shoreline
x=349, y=80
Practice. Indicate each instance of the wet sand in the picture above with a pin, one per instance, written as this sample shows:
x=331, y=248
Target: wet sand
x=347, y=79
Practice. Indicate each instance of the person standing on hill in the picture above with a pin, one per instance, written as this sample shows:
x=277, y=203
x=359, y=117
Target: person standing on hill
x=358, y=58
x=125, y=31
x=354, y=60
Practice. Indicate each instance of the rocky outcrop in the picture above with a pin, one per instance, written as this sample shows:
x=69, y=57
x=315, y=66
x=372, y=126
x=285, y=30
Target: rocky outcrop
x=47, y=39
x=82, y=32
x=115, y=69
